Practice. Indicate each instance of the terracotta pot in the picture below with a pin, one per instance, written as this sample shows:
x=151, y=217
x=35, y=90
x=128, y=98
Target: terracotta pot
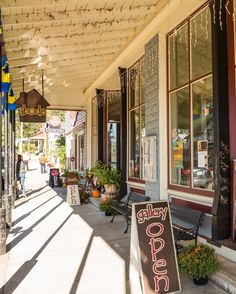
x=200, y=281
x=96, y=193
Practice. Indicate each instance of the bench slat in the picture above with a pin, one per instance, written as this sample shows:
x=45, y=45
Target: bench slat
x=191, y=221
x=124, y=207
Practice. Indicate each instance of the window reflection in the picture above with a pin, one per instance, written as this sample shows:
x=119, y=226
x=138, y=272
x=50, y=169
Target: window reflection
x=134, y=144
x=113, y=145
x=203, y=148
x=142, y=88
x=191, y=103
x=113, y=128
x=143, y=134
x=201, y=43
x=134, y=86
x=178, y=50
x=136, y=118
x=180, y=148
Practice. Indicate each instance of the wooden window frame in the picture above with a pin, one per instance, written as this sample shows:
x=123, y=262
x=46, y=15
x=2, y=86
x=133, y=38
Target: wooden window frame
x=130, y=109
x=190, y=188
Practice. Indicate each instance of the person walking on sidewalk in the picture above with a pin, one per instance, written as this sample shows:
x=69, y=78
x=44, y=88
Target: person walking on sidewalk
x=20, y=172
x=42, y=160
x=26, y=160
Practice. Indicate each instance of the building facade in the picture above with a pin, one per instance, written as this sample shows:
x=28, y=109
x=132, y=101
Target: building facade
x=75, y=133
x=175, y=138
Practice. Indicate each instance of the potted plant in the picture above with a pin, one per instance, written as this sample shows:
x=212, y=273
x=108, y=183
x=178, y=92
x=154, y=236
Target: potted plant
x=105, y=205
x=84, y=195
x=198, y=261
x=63, y=176
x=110, y=179
x=92, y=178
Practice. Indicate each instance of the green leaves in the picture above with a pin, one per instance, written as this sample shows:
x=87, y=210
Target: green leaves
x=198, y=261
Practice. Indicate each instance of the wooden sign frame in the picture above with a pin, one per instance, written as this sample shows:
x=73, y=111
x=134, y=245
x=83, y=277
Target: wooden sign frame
x=153, y=261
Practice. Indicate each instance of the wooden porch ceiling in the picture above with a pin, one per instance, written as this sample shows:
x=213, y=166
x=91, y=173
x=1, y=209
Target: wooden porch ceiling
x=71, y=41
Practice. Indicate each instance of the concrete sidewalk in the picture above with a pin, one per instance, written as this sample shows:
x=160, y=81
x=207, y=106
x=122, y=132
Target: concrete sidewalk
x=53, y=248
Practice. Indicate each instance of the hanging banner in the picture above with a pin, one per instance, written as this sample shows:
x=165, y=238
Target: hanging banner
x=32, y=107
x=152, y=251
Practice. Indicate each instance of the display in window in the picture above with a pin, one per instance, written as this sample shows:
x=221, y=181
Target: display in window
x=203, y=153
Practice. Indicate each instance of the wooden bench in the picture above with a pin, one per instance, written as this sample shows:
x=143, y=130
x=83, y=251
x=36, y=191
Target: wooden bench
x=124, y=206
x=185, y=223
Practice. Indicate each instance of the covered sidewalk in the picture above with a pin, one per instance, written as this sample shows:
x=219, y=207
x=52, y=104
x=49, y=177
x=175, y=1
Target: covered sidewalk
x=53, y=248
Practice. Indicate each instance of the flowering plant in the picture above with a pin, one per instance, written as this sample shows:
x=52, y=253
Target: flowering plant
x=198, y=261
x=105, y=204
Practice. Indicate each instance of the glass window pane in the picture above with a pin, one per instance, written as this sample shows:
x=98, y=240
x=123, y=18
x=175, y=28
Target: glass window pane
x=203, y=150
x=113, y=144
x=142, y=81
x=179, y=136
x=113, y=104
x=178, y=57
x=134, y=144
x=143, y=134
x=201, y=44
x=134, y=86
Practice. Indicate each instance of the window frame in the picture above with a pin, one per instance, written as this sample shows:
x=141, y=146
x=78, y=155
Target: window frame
x=189, y=189
x=106, y=121
x=131, y=109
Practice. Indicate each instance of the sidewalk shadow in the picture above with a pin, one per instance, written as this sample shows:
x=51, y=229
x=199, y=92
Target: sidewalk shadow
x=25, y=233
x=37, y=190
x=27, y=214
x=74, y=287
x=21, y=203
x=24, y=270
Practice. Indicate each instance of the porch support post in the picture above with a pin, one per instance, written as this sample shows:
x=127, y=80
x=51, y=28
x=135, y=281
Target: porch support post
x=221, y=203
x=123, y=131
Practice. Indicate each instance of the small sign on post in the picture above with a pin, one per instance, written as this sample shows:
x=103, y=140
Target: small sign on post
x=72, y=189
x=152, y=251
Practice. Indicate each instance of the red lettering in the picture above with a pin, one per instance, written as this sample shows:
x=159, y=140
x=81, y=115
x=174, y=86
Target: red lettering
x=154, y=251
x=154, y=231
x=157, y=281
x=155, y=234
x=157, y=264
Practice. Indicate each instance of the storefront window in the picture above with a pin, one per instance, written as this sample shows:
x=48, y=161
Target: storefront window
x=134, y=81
x=142, y=88
x=178, y=50
x=202, y=117
x=134, y=144
x=191, y=104
x=136, y=119
x=113, y=128
x=200, y=30
x=179, y=132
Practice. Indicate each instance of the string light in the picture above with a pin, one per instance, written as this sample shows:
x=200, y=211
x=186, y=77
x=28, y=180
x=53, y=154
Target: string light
x=226, y=7
x=214, y=12
x=220, y=16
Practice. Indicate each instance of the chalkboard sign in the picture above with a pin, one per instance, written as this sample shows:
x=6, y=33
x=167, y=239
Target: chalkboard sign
x=155, y=247
x=72, y=189
x=54, y=178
